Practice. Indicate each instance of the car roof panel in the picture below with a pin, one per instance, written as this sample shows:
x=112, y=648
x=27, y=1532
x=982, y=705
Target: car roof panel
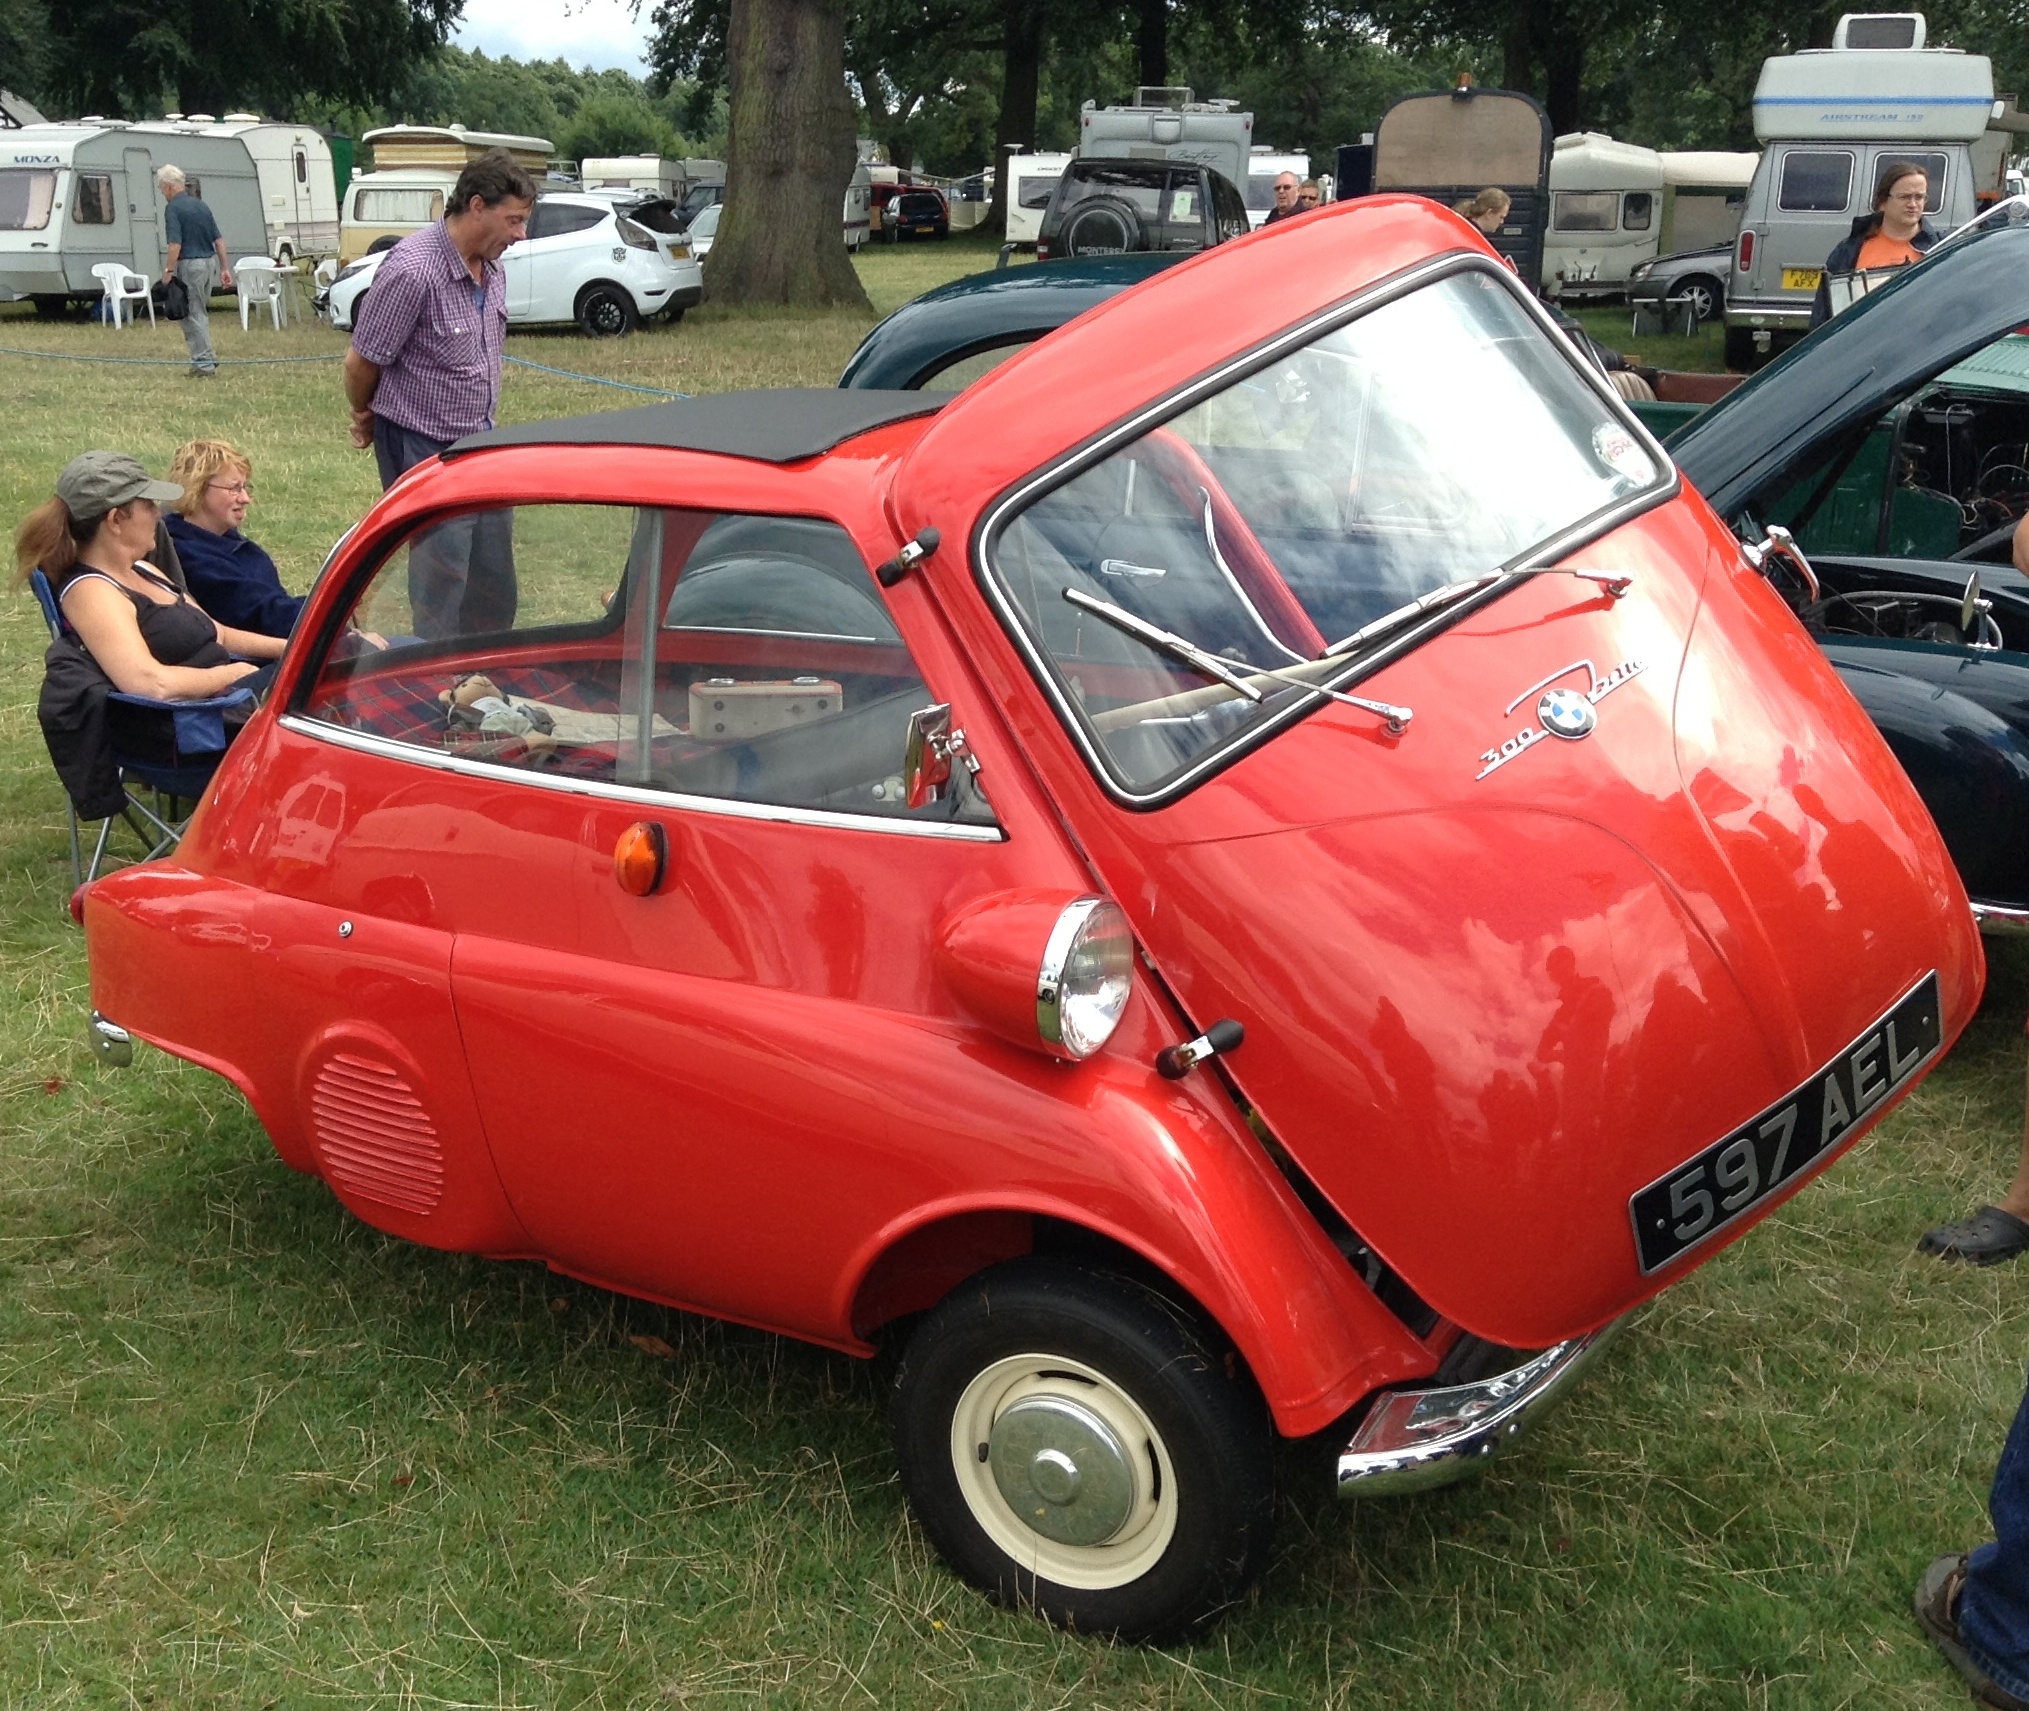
x=786, y=424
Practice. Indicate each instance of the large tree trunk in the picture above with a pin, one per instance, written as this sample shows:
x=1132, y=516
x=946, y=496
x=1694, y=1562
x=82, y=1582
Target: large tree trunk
x=1518, y=50
x=1153, y=40
x=790, y=151
x=1563, y=51
x=1021, y=77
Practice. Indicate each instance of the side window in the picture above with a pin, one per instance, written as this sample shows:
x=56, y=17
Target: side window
x=93, y=203
x=1816, y=181
x=1637, y=207
x=1584, y=210
x=747, y=659
x=302, y=167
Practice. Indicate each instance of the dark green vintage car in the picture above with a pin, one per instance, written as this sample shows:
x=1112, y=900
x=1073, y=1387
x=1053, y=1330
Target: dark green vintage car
x=1893, y=445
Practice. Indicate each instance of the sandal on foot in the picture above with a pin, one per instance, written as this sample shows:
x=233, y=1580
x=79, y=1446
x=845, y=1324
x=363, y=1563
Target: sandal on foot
x=1986, y=1238
x=1937, y=1609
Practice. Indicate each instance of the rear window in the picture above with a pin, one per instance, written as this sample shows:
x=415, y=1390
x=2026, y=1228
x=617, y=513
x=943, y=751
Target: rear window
x=1933, y=167
x=1635, y=211
x=1584, y=210
x=26, y=197
x=1261, y=190
x=1816, y=181
x=561, y=219
x=385, y=206
x=1095, y=178
x=920, y=205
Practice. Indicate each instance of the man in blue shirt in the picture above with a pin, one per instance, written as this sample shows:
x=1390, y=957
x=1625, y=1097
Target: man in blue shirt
x=194, y=242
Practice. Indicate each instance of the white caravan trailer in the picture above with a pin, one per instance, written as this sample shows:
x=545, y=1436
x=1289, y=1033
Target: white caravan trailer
x=1264, y=167
x=1605, y=201
x=74, y=195
x=1704, y=191
x=1830, y=118
x=1031, y=181
x=1167, y=124
x=299, y=190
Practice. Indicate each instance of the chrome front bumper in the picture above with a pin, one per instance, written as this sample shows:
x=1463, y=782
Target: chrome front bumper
x=112, y=1045
x=1412, y=1440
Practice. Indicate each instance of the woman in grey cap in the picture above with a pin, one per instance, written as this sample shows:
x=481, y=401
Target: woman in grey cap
x=142, y=631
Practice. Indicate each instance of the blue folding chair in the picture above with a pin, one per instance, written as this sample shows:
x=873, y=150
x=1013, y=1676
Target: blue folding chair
x=196, y=740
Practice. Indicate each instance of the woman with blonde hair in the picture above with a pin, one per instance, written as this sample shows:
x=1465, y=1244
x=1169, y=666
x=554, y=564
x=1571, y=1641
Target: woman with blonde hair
x=126, y=626
x=230, y=576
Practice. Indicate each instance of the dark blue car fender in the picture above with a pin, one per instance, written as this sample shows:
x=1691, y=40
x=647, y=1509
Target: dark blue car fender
x=1959, y=724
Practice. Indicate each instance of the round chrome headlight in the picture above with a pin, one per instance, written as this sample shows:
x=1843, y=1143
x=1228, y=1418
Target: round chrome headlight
x=1087, y=970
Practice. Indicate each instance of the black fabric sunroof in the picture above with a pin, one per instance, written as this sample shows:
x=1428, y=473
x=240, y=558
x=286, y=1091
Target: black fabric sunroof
x=779, y=425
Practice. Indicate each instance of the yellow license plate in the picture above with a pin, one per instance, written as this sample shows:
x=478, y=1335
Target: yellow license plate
x=1801, y=278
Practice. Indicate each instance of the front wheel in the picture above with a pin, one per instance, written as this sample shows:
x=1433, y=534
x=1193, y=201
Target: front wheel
x=606, y=312
x=1075, y=1443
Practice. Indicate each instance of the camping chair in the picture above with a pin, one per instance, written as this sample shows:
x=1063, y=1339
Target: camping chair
x=197, y=740
x=258, y=280
x=122, y=285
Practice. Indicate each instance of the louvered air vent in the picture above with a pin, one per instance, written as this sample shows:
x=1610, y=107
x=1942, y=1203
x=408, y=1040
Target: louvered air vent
x=376, y=1140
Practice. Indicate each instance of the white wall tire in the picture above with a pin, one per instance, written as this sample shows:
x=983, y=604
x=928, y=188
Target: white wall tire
x=1075, y=1443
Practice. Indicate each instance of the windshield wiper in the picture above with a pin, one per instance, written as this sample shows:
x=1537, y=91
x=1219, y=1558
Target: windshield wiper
x=1200, y=659
x=1451, y=593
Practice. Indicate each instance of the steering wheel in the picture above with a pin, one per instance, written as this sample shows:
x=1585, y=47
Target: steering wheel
x=1992, y=538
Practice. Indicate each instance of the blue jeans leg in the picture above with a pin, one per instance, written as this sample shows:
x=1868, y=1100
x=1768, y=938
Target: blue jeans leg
x=461, y=573
x=1994, y=1607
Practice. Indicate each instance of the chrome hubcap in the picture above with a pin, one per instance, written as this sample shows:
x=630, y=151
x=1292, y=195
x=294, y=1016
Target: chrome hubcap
x=1063, y=1470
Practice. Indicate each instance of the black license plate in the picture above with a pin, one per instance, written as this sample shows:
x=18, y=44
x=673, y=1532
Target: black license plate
x=1725, y=1182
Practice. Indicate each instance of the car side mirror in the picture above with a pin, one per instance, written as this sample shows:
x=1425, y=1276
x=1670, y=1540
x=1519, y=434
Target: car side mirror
x=1971, y=606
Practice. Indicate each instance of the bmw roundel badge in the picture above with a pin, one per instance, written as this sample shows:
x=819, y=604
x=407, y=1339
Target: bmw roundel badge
x=1567, y=713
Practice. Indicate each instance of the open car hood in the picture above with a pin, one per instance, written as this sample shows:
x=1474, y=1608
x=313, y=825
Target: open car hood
x=1857, y=365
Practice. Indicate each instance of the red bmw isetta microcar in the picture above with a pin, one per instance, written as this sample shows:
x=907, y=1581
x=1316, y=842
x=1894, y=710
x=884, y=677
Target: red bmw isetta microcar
x=1264, y=870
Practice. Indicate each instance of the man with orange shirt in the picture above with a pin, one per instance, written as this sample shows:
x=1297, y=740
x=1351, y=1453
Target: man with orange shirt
x=1894, y=235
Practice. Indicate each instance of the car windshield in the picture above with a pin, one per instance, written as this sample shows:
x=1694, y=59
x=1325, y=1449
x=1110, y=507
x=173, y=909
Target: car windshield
x=1432, y=440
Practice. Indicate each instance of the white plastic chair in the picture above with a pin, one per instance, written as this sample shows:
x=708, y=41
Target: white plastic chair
x=324, y=273
x=258, y=280
x=122, y=285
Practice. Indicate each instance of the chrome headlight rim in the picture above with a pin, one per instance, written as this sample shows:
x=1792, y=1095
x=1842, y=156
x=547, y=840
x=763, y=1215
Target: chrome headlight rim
x=1081, y=917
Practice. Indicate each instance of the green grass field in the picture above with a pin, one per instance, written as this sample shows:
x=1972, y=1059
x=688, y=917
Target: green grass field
x=253, y=1454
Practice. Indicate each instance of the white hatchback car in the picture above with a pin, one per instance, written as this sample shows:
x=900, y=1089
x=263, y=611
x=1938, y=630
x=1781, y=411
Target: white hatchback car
x=582, y=261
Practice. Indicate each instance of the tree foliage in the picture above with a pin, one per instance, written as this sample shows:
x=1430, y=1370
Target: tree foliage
x=132, y=58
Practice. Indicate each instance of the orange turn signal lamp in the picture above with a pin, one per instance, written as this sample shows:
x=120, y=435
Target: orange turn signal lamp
x=640, y=857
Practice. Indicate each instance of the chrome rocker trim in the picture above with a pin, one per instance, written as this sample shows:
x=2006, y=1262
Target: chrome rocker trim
x=1998, y=918
x=1412, y=1440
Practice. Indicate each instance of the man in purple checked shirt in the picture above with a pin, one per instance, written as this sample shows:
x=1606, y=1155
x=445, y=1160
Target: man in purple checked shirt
x=424, y=370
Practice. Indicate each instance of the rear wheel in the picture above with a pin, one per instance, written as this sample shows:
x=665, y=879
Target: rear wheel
x=1075, y=1443
x=605, y=312
x=1105, y=225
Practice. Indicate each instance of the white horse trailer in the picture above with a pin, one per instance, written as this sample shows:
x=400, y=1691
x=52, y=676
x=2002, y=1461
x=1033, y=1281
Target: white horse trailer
x=77, y=194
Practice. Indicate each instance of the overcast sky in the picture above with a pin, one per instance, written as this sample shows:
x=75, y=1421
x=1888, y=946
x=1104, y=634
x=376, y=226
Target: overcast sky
x=598, y=33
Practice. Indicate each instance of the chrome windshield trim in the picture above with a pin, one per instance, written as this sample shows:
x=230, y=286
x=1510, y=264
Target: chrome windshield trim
x=365, y=742
x=1412, y=1440
x=997, y=516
